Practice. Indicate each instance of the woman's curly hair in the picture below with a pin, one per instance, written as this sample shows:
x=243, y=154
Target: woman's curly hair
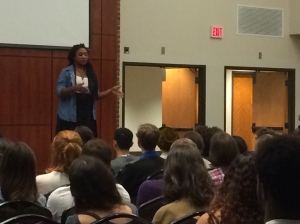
x=237, y=199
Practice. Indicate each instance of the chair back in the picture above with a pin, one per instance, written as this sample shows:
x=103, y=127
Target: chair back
x=66, y=213
x=130, y=219
x=148, y=209
x=29, y=219
x=189, y=219
x=157, y=175
x=11, y=209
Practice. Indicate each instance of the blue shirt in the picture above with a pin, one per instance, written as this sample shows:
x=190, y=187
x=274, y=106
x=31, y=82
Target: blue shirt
x=67, y=104
x=149, y=154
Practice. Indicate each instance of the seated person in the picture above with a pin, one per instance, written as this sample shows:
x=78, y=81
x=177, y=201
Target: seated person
x=187, y=185
x=166, y=138
x=277, y=164
x=94, y=198
x=133, y=174
x=85, y=133
x=66, y=147
x=223, y=150
x=17, y=172
x=122, y=143
x=61, y=199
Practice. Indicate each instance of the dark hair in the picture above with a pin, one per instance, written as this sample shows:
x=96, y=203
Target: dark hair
x=277, y=163
x=223, y=149
x=264, y=130
x=148, y=136
x=93, y=185
x=237, y=199
x=17, y=173
x=206, y=133
x=196, y=138
x=261, y=139
x=99, y=149
x=185, y=175
x=123, y=137
x=167, y=136
x=241, y=144
x=85, y=133
x=93, y=83
x=297, y=131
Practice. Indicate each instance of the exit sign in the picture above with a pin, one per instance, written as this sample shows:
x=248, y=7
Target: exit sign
x=216, y=32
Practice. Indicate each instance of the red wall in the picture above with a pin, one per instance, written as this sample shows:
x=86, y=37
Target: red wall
x=28, y=79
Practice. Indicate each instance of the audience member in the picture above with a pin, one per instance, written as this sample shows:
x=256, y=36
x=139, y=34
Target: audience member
x=85, y=133
x=94, y=190
x=223, y=150
x=236, y=201
x=17, y=175
x=277, y=164
x=66, y=147
x=133, y=174
x=198, y=140
x=188, y=187
x=206, y=133
x=61, y=199
x=297, y=131
x=241, y=144
x=4, y=144
x=264, y=130
x=122, y=143
x=167, y=136
x=261, y=139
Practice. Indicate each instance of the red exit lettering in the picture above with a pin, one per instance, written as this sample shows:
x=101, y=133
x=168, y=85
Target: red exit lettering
x=216, y=32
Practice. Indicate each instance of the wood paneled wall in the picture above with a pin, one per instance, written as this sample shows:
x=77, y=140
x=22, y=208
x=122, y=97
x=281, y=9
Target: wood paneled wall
x=28, y=79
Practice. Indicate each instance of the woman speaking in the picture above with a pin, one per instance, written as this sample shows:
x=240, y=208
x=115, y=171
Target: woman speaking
x=77, y=89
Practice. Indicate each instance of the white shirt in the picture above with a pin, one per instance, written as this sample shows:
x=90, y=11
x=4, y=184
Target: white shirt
x=51, y=181
x=62, y=199
x=283, y=221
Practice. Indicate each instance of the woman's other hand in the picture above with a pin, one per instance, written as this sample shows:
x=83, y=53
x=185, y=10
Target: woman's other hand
x=116, y=90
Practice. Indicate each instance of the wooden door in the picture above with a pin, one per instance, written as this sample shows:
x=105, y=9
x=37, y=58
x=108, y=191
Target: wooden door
x=270, y=100
x=242, y=107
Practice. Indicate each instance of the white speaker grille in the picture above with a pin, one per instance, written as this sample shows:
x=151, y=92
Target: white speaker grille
x=260, y=21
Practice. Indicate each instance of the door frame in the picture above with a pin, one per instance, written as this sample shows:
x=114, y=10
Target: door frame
x=228, y=70
x=201, y=81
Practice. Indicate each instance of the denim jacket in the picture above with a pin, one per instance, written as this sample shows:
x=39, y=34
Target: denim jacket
x=67, y=104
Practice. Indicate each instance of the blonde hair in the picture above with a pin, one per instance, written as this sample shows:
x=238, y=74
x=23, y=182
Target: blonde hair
x=66, y=147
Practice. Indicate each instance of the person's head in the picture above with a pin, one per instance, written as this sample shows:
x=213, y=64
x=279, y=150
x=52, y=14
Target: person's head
x=264, y=130
x=277, y=165
x=85, y=133
x=123, y=139
x=17, y=173
x=196, y=138
x=99, y=149
x=148, y=136
x=241, y=144
x=237, y=198
x=166, y=138
x=185, y=174
x=206, y=133
x=297, y=131
x=93, y=185
x=66, y=147
x=78, y=55
x=261, y=139
x=223, y=149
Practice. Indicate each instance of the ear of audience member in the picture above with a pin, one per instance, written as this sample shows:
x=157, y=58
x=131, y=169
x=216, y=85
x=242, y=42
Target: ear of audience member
x=85, y=133
x=133, y=174
x=17, y=175
x=166, y=138
x=91, y=193
x=122, y=143
x=66, y=147
x=188, y=187
x=198, y=140
x=277, y=163
x=206, y=133
x=241, y=144
x=236, y=201
x=223, y=150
